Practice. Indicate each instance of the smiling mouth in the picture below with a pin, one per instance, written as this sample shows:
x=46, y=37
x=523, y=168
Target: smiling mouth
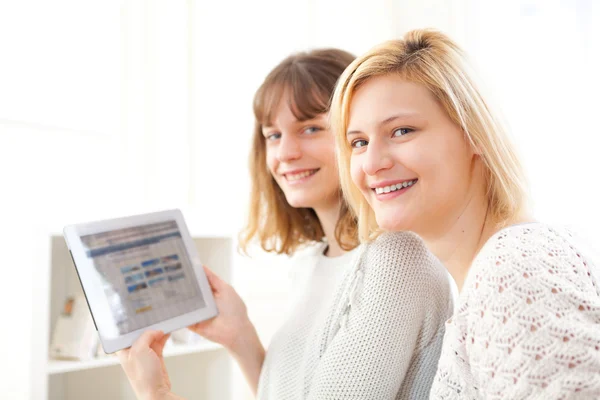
x=393, y=188
x=300, y=175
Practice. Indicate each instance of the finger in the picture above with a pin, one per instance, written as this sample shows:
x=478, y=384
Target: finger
x=215, y=282
x=123, y=355
x=159, y=345
x=198, y=327
x=146, y=340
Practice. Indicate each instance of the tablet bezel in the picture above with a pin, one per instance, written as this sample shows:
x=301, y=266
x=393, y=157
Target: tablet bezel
x=94, y=291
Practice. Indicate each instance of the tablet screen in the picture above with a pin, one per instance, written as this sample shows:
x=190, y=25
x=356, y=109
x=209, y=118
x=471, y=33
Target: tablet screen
x=146, y=274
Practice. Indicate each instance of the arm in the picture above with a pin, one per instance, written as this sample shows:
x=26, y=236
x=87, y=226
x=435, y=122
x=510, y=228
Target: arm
x=533, y=323
x=232, y=329
x=249, y=353
x=404, y=292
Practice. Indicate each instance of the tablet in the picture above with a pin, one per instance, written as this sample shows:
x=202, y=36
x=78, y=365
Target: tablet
x=138, y=273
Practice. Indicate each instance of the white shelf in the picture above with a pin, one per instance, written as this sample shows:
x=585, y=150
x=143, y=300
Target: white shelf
x=63, y=366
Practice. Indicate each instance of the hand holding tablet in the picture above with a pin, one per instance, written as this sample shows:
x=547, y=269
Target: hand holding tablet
x=145, y=367
x=140, y=273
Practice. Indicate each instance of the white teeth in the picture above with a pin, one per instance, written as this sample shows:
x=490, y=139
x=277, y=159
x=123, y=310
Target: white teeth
x=300, y=175
x=393, y=188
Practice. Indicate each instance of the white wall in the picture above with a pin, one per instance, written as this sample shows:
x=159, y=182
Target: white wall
x=540, y=60
x=59, y=78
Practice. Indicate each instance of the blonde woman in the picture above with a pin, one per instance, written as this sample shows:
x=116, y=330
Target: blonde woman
x=369, y=320
x=420, y=150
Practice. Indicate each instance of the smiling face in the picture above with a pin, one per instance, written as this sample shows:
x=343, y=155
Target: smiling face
x=411, y=162
x=301, y=157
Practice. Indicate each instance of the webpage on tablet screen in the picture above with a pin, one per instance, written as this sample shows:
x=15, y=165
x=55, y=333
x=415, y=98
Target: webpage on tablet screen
x=146, y=273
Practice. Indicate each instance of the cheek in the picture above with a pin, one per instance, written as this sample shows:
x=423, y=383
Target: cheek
x=445, y=170
x=321, y=149
x=456, y=157
x=416, y=159
x=356, y=172
x=272, y=162
x=434, y=173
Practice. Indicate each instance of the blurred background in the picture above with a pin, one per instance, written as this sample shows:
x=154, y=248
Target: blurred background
x=117, y=107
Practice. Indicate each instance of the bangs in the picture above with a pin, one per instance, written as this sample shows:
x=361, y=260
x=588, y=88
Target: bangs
x=297, y=85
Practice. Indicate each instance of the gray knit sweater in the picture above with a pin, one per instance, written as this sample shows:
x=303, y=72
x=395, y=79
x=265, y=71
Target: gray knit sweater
x=377, y=335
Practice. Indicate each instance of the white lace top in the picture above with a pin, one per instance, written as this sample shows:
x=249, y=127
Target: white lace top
x=372, y=332
x=527, y=322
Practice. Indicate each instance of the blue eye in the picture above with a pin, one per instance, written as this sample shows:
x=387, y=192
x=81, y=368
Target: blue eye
x=311, y=130
x=358, y=143
x=274, y=136
x=401, y=132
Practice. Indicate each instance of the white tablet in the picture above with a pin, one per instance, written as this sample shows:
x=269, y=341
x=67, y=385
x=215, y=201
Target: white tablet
x=138, y=273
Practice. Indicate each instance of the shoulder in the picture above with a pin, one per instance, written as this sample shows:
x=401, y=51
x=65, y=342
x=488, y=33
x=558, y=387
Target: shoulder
x=401, y=250
x=528, y=304
x=539, y=253
x=527, y=268
x=532, y=240
x=402, y=282
x=403, y=258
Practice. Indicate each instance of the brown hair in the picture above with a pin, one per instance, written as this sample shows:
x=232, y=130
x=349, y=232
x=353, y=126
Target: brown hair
x=308, y=79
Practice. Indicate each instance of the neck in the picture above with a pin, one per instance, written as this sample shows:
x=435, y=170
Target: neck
x=458, y=239
x=457, y=244
x=328, y=216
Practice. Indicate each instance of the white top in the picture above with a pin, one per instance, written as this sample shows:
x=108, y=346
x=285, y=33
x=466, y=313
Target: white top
x=368, y=328
x=527, y=322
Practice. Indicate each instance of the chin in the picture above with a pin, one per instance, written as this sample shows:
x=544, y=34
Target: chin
x=391, y=223
x=299, y=202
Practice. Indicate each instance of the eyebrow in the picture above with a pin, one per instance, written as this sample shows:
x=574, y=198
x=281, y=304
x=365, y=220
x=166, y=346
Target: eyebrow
x=387, y=121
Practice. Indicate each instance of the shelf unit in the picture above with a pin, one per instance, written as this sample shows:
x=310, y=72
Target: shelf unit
x=63, y=366
x=202, y=370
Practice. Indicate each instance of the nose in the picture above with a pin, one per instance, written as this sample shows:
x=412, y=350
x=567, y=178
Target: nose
x=289, y=148
x=377, y=158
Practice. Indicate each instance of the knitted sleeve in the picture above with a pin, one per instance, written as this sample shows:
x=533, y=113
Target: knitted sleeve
x=398, y=309
x=532, y=318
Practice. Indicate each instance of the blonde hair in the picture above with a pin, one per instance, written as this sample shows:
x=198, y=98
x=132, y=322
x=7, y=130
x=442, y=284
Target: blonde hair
x=433, y=60
x=308, y=80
